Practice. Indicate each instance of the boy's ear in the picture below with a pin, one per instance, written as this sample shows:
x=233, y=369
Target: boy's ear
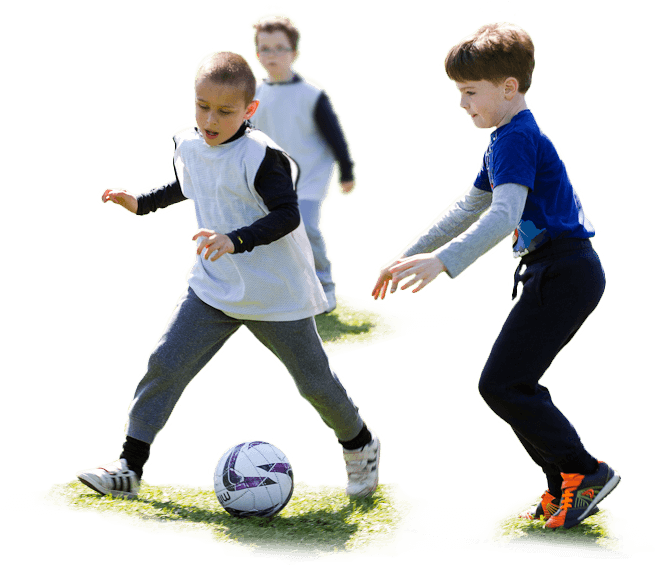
x=251, y=109
x=511, y=87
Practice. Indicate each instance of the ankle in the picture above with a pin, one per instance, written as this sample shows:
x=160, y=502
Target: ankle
x=136, y=453
x=363, y=438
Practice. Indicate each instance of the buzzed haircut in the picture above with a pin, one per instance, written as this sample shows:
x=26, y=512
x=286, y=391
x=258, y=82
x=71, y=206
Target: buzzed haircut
x=495, y=52
x=229, y=68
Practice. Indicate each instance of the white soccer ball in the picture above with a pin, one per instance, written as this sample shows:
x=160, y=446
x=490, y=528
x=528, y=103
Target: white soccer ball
x=253, y=479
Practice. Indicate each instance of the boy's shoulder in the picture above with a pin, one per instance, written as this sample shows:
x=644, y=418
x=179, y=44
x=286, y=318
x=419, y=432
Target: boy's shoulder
x=188, y=134
x=522, y=130
x=296, y=84
x=259, y=139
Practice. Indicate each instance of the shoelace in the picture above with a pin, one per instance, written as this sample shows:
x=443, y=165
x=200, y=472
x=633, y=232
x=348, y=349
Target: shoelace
x=570, y=483
x=567, y=499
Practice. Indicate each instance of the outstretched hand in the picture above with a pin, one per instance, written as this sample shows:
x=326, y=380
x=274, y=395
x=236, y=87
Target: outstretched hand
x=425, y=268
x=347, y=186
x=121, y=197
x=382, y=284
x=216, y=244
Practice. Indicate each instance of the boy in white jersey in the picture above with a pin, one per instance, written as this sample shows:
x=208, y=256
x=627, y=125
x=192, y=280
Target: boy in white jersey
x=524, y=187
x=254, y=267
x=299, y=117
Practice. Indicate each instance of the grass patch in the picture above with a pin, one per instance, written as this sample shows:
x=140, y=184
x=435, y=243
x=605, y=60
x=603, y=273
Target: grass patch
x=599, y=536
x=346, y=324
x=316, y=520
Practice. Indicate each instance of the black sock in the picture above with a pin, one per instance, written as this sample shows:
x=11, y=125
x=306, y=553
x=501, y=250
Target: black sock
x=360, y=440
x=136, y=453
x=585, y=465
x=555, y=485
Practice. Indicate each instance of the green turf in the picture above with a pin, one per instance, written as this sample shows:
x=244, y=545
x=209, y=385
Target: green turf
x=345, y=324
x=316, y=520
x=599, y=536
x=320, y=522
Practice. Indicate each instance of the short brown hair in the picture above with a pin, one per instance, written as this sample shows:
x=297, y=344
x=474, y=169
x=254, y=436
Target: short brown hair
x=229, y=68
x=495, y=52
x=271, y=25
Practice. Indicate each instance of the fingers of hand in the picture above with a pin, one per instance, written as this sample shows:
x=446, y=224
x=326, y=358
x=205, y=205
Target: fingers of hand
x=417, y=273
x=380, y=289
x=110, y=195
x=418, y=283
x=205, y=238
x=215, y=245
x=376, y=290
x=203, y=233
x=387, y=281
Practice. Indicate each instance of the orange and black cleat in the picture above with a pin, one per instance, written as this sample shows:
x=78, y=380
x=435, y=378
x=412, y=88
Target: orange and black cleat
x=547, y=506
x=581, y=495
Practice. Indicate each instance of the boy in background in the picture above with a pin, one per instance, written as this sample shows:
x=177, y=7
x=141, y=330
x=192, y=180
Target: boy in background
x=253, y=268
x=522, y=183
x=299, y=118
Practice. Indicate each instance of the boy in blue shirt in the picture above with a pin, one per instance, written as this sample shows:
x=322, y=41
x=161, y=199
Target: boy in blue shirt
x=299, y=117
x=524, y=186
x=254, y=268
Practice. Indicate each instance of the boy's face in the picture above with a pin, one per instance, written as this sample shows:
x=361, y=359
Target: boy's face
x=275, y=54
x=220, y=110
x=486, y=102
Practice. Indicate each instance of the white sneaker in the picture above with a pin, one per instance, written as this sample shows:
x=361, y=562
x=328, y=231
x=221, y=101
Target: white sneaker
x=362, y=466
x=115, y=479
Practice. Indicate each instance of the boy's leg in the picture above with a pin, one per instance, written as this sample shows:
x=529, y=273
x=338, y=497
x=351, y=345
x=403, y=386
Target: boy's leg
x=552, y=472
x=310, y=210
x=557, y=297
x=298, y=345
x=195, y=333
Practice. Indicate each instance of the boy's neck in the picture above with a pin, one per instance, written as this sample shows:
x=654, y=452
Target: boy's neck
x=518, y=105
x=286, y=77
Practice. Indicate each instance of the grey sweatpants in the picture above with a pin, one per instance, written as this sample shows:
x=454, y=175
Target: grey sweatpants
x=197, y=331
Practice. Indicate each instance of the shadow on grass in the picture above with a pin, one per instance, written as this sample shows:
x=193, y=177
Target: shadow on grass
x=319, y=527
x=331, y=328
x=357, y=324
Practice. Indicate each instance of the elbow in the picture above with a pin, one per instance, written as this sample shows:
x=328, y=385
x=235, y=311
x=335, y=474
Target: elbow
x=293, y=219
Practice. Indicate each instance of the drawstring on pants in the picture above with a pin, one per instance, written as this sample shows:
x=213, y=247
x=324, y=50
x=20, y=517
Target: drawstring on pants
x=547, y=254
x=517, y=278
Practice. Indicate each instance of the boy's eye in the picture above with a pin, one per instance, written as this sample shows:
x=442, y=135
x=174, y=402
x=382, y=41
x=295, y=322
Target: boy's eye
x=222, y=112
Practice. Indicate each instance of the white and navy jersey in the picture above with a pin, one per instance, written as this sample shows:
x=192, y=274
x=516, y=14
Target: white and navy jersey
x=299, y=118
x=274, y=183
x=272, y=278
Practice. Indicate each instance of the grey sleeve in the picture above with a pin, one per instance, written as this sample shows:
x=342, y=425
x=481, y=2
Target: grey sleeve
x=481, y=235
x=452, y=222
x=508, y=202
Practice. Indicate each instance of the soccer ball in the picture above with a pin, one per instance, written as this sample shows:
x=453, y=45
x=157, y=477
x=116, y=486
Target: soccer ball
x=253, y=479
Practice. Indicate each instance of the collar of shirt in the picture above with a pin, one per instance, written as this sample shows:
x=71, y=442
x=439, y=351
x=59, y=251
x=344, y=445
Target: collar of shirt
x=294, y=79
